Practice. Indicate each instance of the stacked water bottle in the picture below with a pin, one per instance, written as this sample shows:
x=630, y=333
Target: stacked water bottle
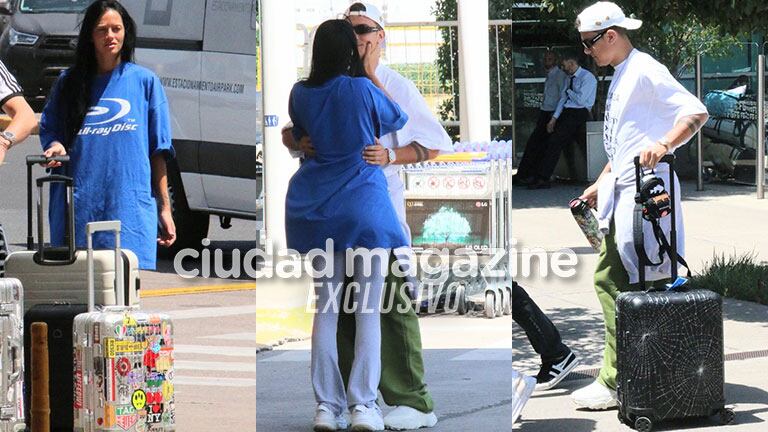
x=494, y=150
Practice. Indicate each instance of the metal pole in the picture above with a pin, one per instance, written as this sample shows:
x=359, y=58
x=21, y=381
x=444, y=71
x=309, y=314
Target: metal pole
x=760, y=174
x=278, y=25
x=699, y=136
x=514, y=107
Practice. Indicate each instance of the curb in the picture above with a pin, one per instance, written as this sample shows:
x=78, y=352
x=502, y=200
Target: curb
x=203, y=289
x=282, y=314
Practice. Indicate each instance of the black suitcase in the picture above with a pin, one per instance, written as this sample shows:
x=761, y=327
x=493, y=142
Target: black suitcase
x=669, y=344
x=59, y=319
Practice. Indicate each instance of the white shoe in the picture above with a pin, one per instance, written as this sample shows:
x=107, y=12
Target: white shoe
x=595, y=397
x=407, y=418
x=326, y=421
x=522, y=388
x=367, y=418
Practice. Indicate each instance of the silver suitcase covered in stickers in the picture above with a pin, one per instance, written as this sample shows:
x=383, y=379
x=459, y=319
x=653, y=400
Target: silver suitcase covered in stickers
x=11, y=356
x=123, y=357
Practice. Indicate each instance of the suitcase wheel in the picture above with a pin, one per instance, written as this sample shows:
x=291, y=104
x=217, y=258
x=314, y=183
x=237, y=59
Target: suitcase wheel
x=643, y=424
x=727, y=416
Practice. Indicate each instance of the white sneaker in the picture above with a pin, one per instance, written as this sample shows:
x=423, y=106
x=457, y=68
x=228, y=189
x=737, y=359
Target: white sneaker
x=407, y=418
x=595, y=397
x=326, y=421
x=522, y=388
x=367, y=418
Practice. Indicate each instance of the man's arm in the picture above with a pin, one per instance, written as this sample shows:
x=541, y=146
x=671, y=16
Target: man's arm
x=590, y=194
x=23, y=121
x=412, y=153
x=584, y=94
x=304, y=144
x=678, y=135
x=167, y=234
x=558, y=110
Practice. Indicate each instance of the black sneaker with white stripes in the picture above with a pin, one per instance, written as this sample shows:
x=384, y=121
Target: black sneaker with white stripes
x=551, y=373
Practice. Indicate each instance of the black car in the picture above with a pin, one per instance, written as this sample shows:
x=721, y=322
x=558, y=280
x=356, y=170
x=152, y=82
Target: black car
x=38, y=41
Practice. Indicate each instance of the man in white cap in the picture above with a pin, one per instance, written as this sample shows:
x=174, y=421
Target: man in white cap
x=648, y=114
x=422, y=138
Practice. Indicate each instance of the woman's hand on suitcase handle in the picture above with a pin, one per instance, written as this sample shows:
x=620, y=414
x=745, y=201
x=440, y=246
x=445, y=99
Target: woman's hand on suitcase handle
x=590, y=195
x=55, y=149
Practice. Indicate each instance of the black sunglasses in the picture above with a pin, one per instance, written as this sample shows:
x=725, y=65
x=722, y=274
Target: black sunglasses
x=588, y=43
x=362, y=29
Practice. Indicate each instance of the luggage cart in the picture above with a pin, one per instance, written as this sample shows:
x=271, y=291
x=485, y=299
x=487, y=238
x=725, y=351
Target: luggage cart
x=459, y=203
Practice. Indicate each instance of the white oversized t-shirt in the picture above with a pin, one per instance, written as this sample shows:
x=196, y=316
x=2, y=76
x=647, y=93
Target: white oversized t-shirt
x=422, y=127
x=644, y=103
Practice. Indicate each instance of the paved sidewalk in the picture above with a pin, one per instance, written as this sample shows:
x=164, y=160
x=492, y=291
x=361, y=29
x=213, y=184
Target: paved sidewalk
x=723, y=219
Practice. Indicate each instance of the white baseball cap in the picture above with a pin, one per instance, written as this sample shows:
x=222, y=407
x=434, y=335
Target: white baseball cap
x=603, y=15
x=367, y=10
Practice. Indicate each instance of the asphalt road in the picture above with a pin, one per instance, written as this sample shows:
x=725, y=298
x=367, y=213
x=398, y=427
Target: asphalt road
x=468, y=372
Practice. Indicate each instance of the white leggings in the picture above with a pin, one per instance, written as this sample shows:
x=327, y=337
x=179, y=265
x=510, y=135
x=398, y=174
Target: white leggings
x=366, y=367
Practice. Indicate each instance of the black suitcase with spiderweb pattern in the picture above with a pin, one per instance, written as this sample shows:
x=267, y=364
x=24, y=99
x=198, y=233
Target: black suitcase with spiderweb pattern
x=669, y=345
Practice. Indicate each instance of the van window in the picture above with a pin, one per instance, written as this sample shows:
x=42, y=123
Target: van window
x=40, y=6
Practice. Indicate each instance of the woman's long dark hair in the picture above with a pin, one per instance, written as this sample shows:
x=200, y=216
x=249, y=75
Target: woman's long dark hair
x=75, y=93
x=334, y=53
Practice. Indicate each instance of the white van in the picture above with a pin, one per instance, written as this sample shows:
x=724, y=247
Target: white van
x=205, y=53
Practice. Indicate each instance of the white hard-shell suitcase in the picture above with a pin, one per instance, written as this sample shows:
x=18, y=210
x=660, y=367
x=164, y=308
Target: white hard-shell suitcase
x=123, y=357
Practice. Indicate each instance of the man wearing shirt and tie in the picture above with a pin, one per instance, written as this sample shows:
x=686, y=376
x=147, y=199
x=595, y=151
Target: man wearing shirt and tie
x=554, y=85
x=569, y=119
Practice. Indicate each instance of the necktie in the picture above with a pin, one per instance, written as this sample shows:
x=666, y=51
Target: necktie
x=570, y=87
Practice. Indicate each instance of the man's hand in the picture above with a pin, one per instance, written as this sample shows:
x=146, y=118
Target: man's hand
x=3, y=149
x=651, y=155
x=376, y=154
x=305, y=145
x=56, y=149
x=590, y=195
x=551, y=125
x=167, y=233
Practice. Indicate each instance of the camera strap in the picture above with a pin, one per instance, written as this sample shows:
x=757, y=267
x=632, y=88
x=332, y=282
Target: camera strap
x=661, y=240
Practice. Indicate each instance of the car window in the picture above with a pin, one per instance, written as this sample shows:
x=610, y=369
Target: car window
x=65, y=6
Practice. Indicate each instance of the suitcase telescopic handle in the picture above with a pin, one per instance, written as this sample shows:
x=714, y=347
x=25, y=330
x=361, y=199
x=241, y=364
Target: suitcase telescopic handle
x=70, y=219
x=33, y=160
x=107, y=226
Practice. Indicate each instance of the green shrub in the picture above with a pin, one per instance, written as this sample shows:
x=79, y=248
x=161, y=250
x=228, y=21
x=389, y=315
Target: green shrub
x=739, y=277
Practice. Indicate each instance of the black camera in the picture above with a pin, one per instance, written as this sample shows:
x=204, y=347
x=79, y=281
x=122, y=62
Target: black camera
x=653, y=196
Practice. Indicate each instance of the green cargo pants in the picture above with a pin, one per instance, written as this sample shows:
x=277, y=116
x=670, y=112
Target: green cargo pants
x=611, y=279
x=402, y=366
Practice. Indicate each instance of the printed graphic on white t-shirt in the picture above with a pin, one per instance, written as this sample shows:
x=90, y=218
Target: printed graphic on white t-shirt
x=610, y=122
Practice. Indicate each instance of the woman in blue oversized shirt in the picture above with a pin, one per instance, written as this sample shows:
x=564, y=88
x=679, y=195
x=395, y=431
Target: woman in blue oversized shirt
x=111, y=116
x=336, y=196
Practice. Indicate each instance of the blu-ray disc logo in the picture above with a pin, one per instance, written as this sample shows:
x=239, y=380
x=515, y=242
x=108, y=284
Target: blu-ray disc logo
x=101, y=114
x=109, y=110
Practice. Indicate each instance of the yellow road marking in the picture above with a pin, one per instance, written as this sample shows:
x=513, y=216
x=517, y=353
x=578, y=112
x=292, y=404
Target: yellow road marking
x=200, y=289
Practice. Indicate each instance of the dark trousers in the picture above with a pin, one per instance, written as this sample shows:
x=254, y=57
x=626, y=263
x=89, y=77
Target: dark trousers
x=535, y=147
x=571, y=126
x=542, y=334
